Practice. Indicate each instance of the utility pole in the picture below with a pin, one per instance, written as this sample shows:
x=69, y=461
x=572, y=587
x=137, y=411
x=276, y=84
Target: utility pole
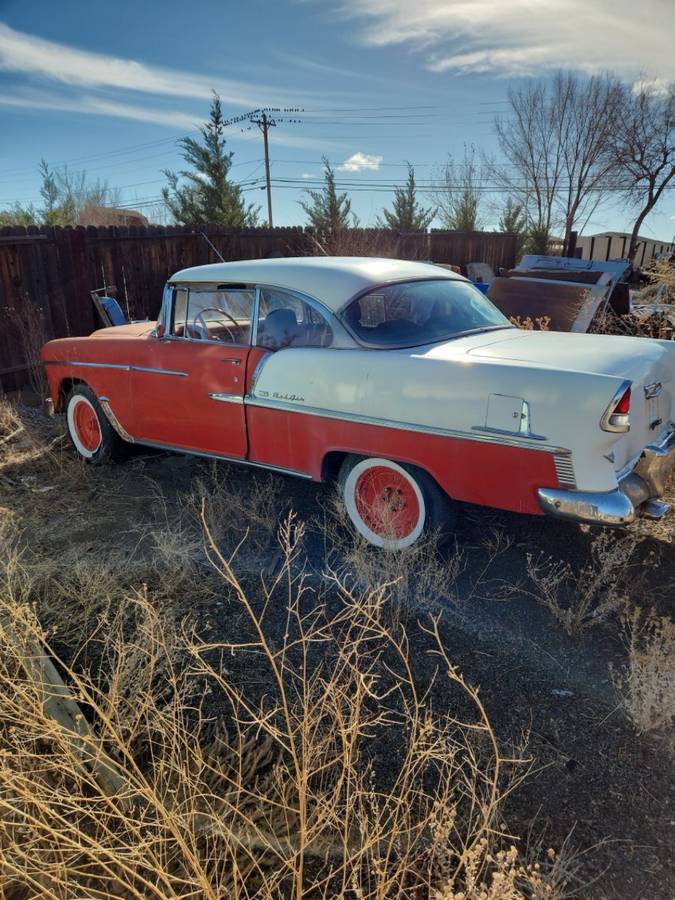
x=264, y=122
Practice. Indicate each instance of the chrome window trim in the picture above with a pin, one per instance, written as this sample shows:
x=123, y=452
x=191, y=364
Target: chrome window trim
x=481, y=437
x=209, y=286
x=316, y=305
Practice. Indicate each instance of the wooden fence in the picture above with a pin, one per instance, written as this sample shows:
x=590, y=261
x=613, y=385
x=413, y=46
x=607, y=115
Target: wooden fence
x=46, y=274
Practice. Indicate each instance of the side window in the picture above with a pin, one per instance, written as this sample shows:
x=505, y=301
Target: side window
x=287, y=321
x=214, y=314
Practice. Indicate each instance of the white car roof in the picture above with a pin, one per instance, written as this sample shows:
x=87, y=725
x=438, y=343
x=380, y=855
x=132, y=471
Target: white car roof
x=329, y=279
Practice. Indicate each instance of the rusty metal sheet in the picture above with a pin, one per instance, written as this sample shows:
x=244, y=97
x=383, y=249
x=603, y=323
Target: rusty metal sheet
x=569, y=291
x=562, y=303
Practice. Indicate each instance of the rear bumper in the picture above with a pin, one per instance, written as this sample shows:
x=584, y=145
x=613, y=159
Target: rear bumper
x=638, y=494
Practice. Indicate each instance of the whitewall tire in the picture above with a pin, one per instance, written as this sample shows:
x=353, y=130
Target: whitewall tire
x=90, y=431
x=384, y=502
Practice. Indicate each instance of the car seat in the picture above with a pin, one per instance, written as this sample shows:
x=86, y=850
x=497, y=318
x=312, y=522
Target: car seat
x=280, y=329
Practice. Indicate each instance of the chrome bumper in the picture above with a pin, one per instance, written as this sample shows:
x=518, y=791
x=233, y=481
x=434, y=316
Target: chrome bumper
x=638, y=493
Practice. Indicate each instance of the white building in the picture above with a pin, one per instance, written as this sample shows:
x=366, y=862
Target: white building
x=614, y=245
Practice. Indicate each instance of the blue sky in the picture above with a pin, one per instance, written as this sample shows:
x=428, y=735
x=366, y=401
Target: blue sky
x=109, y=87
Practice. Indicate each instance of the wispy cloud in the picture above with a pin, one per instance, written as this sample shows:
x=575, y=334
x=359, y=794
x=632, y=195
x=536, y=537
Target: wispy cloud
x=48, y=100
x=87, y=104
x=34, y=56
x=361, y=162
x=521, y=37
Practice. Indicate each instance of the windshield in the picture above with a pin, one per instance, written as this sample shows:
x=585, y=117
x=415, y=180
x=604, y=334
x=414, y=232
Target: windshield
x=421, y=312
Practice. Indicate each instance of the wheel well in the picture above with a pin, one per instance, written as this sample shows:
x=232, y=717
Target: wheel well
x=66, y=386
x=330, y=465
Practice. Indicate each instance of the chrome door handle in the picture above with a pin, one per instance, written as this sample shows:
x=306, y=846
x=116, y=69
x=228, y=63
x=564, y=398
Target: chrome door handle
x=232, y=359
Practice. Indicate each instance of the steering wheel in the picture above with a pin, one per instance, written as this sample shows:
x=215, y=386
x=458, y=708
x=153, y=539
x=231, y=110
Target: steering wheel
x=205, y=328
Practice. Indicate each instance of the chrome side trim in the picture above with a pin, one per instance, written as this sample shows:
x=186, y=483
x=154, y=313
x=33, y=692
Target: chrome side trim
x=523, y=434
x=220, y=456
x=114, y=421
x=610, y=508
x=258, y=369
x=564, y=469
x=482, y=437
x=226, y=398
x=87, y=365
x=150, y=371
x=124, y=367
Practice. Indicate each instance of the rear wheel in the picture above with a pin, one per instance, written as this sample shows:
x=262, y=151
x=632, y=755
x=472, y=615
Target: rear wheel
x=91, y=433
x=393, y=505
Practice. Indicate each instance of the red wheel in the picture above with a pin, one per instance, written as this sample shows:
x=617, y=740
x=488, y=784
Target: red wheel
x=91, y=433
x=385, y=503
x=85, y=425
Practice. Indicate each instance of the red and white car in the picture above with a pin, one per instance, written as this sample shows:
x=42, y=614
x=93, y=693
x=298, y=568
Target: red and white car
x=399, y=379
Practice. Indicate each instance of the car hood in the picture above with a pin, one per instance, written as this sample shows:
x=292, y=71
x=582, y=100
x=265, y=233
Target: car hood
x=131, y=329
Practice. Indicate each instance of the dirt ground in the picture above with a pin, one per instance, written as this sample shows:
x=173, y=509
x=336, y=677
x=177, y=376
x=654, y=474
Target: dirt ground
x=594, y=787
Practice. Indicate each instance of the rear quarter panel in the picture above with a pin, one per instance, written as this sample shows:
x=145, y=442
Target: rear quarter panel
x=425, y=391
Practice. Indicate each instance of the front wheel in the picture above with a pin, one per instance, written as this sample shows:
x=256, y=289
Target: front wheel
x=91, y=433
x=392, y=505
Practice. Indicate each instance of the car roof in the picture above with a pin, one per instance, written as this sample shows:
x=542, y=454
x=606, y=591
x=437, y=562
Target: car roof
x=333, y=280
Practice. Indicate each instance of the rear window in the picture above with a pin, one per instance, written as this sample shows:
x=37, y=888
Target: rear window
x=421, y=312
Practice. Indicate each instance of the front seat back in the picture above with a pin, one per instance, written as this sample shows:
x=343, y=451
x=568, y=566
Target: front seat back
x=280, y=329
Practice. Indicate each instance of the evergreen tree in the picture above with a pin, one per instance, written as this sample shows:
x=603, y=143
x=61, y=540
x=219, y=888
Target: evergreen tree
x=52, y=212
x=407, y=214
x=513, y=220
x=207, y=196
x=328, y=211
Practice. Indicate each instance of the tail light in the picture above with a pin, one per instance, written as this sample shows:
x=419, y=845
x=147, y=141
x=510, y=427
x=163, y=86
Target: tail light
x=617, y=415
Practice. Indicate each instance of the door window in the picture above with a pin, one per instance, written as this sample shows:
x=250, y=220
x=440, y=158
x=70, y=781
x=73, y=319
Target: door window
x=286, y=320
x=214, y=314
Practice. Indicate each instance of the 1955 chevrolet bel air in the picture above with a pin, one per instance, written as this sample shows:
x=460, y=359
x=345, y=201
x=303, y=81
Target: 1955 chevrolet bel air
x=399, y=379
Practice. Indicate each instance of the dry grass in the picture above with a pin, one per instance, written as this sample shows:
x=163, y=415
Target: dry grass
x=284, y=794
x=420, y=577
x=539, y=323
x=660, y=287
x=646, y=684
x=654, y=325
x=580, y=598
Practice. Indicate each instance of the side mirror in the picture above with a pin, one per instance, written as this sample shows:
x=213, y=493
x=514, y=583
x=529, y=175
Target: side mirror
x=159, y=330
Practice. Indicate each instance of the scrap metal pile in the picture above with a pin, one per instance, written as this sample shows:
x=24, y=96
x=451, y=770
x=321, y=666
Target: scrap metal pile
x=587, y=296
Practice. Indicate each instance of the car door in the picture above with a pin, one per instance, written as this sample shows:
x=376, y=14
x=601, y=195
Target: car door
x=190, y=394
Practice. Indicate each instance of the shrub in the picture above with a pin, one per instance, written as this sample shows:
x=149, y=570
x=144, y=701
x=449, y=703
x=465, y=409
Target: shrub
x=646, y=684
x=285, y=792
